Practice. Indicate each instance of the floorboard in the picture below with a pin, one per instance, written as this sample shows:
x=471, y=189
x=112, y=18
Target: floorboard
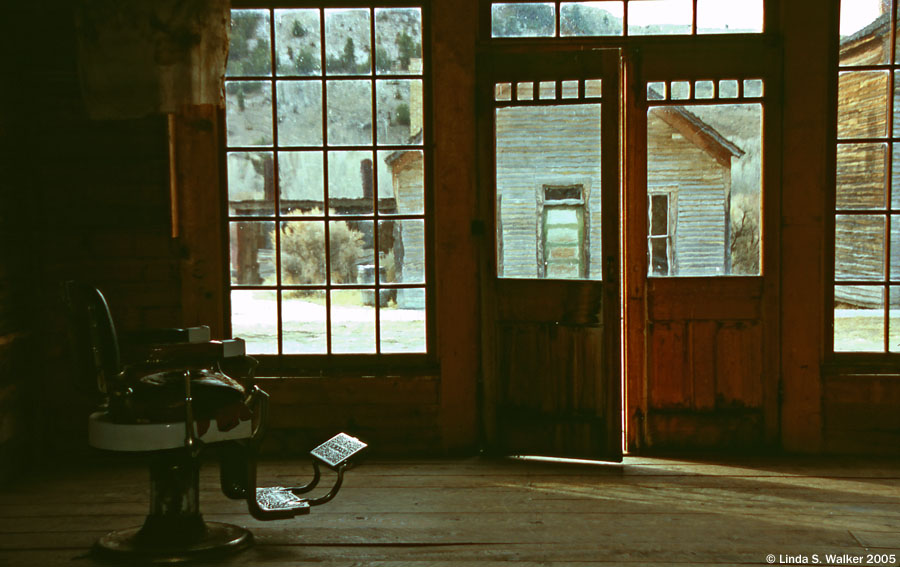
x=486, y=512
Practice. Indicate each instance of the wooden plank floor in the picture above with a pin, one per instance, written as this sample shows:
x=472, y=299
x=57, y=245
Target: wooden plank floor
x=484, y=512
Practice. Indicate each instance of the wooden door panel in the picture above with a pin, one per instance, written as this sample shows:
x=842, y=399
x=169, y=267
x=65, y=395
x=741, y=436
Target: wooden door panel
x=551, y=358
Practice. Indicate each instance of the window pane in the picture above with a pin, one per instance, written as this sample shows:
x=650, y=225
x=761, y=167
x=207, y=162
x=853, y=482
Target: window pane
x=591, y=18
x=298, y=50
x=252, y=253
x=398, y=41
x=857, y=29
x=349, y=113
x=403, y=322
x=304, y=329
x=249, y=52
x=300, y=113
x=568, y=137
x=659, y=215
x=859, y=247
x=861, y=176
x=303, y=252
x=895, y=178
x=254, y=318
x=352, y=321
x=862, y=104
x=523, y=20
x=401, y=184
x=350, y=183
x=402, y=251
x=895, y=247
x=250, y=183
x=399, y=116
x=659, y=256
x=347, y=42
x=350, y=250
x=249, y=113
x=894, y=320
x=593, y=88
x=708, y=158
x=659, y=17
x=729, y=16
x=301, y=182
x=858, y=318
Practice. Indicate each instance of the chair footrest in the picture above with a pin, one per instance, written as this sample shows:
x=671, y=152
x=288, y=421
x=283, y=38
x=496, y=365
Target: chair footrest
x=338, y=450
x=280, y=499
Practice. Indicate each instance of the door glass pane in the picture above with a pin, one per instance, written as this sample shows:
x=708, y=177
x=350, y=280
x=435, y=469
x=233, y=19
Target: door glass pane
x=858, y=318
x=548, y=191
x=708, y=160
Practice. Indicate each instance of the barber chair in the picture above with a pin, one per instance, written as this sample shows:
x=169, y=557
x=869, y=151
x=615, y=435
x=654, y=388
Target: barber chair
x=177, y=395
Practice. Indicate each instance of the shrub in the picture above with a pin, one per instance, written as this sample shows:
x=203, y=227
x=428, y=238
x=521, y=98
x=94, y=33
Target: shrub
x=745, y=237
x=303, y=251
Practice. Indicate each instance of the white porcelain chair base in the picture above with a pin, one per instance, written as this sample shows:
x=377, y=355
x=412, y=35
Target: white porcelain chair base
x=104, y=434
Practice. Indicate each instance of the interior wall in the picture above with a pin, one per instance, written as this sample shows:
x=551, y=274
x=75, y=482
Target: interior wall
x=16, y=273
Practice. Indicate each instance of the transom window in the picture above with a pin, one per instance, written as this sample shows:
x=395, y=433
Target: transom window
x=327, y=184
x=867, y=193
x=625, y=18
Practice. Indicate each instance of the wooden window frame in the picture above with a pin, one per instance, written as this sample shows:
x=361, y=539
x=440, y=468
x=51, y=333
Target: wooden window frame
x=875, y=361
x=338, y=363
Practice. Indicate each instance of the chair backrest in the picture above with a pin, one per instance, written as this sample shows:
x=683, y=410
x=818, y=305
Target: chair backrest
x=93, y=336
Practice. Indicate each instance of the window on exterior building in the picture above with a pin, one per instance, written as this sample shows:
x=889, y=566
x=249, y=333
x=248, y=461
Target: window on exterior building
x=661, y=232
x=704, y=145
x=326, y=172
x=866, y=288
x=562, y=230
x=625, y=18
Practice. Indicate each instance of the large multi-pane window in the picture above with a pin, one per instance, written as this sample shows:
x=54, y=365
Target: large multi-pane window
x=867, y=193
x=326, y=162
